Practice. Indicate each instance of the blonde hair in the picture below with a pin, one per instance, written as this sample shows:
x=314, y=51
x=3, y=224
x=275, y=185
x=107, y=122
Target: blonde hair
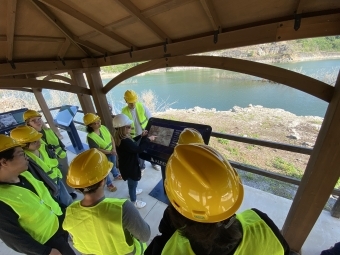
x=119, y=135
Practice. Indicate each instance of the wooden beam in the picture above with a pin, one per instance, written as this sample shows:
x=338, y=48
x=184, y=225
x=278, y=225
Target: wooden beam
x=85, y=100
x=321, y=174
x=324, y=25
x=48, y=14
x=32, y=83
x=147, y=13
x=58, y=77
x=39, y=66
x=61, y=6
x=212, y=15
x=20, y=89
x=30, y=38
x=134, y=11
x=292, y=79
x=11, y=12
x=44, y=108
x=63, y=49
x=96, y=85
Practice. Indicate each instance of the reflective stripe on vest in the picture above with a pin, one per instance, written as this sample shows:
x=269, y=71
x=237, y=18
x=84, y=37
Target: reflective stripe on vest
x=37, y=214
x=104, y=143
x=258, y=239
x=143, y=120
x=85, y=229
x=49, y=165
x=51, y=138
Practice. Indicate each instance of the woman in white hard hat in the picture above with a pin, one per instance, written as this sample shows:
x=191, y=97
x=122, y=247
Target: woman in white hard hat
x=128, y=150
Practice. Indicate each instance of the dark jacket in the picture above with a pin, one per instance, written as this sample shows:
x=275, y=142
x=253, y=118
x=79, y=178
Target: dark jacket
x=128, y=157
x=335, y=250
x=167, y=230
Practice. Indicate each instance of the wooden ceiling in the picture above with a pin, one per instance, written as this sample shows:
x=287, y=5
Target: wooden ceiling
x=56, y=34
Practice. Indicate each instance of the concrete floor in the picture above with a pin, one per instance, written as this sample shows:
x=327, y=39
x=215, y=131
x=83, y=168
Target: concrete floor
x=325, y=233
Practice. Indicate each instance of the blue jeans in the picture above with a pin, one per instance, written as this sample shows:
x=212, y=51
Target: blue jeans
x=63, y=197
x=114, y=171
x=132, y=185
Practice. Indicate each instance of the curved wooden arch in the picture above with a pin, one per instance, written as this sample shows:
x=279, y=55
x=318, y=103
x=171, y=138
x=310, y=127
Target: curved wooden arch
x=32, y=83
x=292, y=79
x=58, y=77
x=20, y=89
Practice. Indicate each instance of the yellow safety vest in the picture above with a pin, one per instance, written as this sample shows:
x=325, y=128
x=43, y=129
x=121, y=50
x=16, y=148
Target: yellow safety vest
x=142, y=118
x=104, y=143
x=258, y=239
x=52, y=139
x=49, y=165
x=98, y=230
x=37, y=212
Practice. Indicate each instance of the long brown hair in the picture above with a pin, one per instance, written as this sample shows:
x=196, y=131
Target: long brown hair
x=119, y=135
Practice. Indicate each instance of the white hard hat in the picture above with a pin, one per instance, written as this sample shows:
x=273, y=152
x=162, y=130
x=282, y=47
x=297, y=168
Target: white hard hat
x=121, y=120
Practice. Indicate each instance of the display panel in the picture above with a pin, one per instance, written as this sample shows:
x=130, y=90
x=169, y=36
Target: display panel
x=167, y=132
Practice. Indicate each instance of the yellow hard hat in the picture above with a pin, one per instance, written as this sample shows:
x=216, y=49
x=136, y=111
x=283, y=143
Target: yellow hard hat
x=130, y=96
x=90, y=118
x=25, y=134
x=190, y=135
x=7, y=143
x=201, y=184
x=30, y=114
x=88, y=168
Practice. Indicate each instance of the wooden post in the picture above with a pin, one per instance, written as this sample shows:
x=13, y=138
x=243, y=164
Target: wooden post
x=43, y=106
x=321, y=175
x=96, y=85
x=335, y=212
x=85, y=100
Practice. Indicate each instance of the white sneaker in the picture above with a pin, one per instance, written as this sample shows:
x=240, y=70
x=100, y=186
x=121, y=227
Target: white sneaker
x=139, y=204
x=156, y=167
x=138, y=191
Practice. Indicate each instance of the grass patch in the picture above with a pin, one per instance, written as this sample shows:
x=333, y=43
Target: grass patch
x=223, y=141
x=287, y=167
x=233, y=151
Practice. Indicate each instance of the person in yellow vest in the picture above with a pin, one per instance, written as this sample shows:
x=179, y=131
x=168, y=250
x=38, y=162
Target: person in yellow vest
x=99, y=137
x=30, y=220
x=34, y=147
x=55, y=146
x=139, y=114
x=99, y=225
x=205, y=192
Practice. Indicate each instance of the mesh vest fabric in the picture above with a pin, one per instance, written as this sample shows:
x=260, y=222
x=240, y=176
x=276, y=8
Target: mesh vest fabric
x=143, y=120
x=98, y=229
x=51, y=138
x=258, y=239
x=37, y=213
x=104, y=143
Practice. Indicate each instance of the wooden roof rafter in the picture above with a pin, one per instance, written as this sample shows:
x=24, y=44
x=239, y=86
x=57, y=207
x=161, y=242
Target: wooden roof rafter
x=152, y=11
x=44, y=10
x=134, y=11
x=58, y=77
x=212, y=15
x=61, y=6
x=11, y=12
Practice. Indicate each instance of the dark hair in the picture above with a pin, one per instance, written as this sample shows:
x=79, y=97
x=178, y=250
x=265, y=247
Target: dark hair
x=7, y=154
x=209, y=236
x=89, y=129
x=90, y=189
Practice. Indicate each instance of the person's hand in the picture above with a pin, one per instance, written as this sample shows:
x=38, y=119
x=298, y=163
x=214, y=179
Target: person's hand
x=152, y=137
x=55, y=252
x=144, y=133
